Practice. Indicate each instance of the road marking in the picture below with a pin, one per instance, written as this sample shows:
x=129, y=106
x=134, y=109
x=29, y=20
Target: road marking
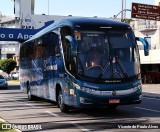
x=49, y=112
x=147, y=109
x=2, y=100
x=80, y=127
x=151, y=98
x=71, y=122
x=16, y=101
x=13, y=100
x=30, y=105
x=22, y=102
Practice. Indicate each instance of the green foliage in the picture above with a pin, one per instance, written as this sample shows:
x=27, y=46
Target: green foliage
x=7, y=65
x=126, y=20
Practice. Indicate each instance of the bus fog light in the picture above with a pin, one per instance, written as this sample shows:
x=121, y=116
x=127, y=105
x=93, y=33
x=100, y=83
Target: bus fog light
x=140, y=97
x=85, y=100
x=76, y=86
x=140, y=87
x=81, y=99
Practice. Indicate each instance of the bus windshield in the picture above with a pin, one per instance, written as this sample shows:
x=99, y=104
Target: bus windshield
x=107, y=55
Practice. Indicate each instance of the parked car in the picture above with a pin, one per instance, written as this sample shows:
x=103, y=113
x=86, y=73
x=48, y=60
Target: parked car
x=14, y=75
x=3, y=82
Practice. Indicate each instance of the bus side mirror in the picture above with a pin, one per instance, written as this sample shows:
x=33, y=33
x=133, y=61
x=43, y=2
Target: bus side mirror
x=145, y=44
x=73, y=45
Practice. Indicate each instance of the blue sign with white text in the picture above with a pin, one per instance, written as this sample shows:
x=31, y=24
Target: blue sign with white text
x=20, y=35
x=13, y=34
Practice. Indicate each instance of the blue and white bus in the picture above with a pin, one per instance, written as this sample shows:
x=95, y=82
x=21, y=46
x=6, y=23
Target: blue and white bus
x=82, y=63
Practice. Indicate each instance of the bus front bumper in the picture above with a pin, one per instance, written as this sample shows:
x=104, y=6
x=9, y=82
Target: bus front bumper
x=89, y=100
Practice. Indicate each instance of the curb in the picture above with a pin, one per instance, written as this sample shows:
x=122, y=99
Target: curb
x=151, y=95
x=2, y=120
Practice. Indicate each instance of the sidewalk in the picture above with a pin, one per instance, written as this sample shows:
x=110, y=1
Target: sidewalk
x=151, y=90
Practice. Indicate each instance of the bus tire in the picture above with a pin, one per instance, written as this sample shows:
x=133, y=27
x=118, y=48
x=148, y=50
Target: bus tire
x=30, y=96
x=63, y=107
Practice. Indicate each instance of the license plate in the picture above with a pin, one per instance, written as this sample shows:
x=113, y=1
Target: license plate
x=114, y=101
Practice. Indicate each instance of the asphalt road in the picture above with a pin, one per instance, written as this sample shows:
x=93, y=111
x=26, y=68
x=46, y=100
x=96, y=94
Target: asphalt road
x=44, y=116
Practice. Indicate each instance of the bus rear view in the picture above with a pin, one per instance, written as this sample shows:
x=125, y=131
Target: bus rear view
x=100, y=64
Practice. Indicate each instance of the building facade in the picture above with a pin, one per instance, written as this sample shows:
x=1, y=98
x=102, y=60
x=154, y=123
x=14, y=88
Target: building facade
x=24, y=18
x=150, y=30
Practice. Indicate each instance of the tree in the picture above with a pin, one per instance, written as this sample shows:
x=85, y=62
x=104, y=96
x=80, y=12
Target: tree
x=7, y=65
x=126, y=20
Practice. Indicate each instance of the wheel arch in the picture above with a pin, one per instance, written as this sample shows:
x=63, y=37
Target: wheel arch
x=27, y=86
x=58, y=88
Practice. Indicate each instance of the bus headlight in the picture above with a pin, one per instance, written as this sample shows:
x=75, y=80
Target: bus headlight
x=76, y=86
x=139, y=87
x=141, y=96
x=71, y=91
x=84, y=88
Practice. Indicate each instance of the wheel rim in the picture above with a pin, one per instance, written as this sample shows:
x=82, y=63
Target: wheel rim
x=63, y=107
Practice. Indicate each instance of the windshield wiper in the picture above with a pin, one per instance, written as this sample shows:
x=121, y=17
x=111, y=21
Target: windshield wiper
x=125, y=75
x=114, y=70
x=103, y=71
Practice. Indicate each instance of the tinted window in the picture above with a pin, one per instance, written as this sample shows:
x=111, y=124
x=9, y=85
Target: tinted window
x=47, y=45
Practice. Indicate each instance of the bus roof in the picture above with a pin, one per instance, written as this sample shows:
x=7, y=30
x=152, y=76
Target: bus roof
x=90, y=21
x=82, y=23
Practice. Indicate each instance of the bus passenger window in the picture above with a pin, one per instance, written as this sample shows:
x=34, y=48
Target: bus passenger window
x=55, y=45
x=57, y=51
x=51, y=42
x=39, y=51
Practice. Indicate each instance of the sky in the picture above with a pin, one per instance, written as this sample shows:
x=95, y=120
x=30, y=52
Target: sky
x=87, y=8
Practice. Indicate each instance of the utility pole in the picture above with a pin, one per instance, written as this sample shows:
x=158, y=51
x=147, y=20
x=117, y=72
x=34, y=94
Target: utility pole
x=122, y=9
x=0, y=15
x=115, y=16
x=123, y=14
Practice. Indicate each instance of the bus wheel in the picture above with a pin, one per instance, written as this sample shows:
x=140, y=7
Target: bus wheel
x=63, y=107
x=30, y=96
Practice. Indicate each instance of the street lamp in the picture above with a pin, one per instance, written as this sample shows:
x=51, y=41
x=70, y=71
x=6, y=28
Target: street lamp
x=122, y=9
x=125, y=8
x=123, y=14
